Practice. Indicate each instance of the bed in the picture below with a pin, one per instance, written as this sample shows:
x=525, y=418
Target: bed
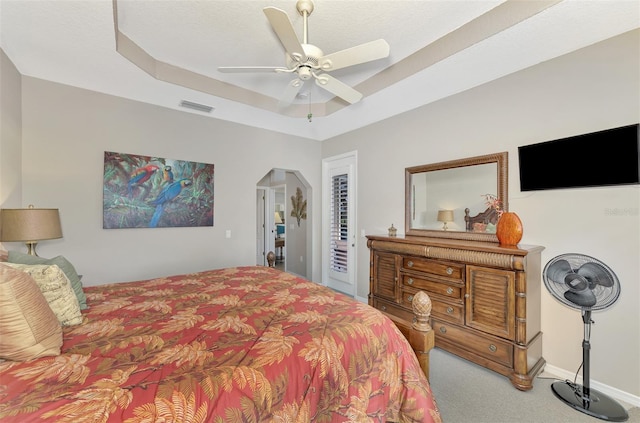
x=244, y=344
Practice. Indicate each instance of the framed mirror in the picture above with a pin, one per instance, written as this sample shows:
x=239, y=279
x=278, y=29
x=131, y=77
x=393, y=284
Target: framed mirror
x=449, y=199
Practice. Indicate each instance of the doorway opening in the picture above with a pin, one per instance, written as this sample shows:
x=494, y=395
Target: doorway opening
x=281, y=225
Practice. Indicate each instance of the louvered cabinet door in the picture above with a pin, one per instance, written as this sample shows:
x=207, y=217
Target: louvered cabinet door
x=385, y=276
x=490, y=301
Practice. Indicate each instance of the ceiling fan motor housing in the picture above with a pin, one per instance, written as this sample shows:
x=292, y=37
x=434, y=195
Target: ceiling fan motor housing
x=305, y=67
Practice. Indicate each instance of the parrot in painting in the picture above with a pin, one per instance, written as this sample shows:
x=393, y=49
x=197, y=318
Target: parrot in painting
x=140, y=176
x=167, y=174
x=167, y=194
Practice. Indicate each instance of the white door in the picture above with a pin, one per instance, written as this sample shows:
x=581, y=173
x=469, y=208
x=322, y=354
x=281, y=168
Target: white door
x=339, y=222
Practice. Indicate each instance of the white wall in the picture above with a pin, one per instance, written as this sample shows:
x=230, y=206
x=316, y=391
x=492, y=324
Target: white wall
x=590, y=90
x=65, y=133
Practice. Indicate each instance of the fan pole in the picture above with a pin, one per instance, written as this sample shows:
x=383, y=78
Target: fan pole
x=583, y=398
x=586, y=357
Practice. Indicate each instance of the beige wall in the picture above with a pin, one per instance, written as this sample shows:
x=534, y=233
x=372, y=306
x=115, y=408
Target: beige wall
x=590, y=90
x=64, y=135
x=10, y=134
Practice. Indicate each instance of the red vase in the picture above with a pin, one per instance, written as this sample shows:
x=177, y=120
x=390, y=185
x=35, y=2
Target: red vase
x=509, y=229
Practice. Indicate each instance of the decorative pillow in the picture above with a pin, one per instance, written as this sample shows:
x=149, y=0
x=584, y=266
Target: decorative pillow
x=56, y=288
x=62, y=263
x=28, y=327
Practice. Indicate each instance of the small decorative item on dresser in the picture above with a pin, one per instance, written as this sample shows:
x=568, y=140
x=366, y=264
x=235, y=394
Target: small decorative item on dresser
x=393, y=231
x=509, y=229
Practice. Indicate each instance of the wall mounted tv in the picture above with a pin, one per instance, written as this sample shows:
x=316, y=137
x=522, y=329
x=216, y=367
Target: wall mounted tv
x=603, y=158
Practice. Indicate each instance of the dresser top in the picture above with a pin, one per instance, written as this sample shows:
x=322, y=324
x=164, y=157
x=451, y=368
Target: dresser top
x=490, y=247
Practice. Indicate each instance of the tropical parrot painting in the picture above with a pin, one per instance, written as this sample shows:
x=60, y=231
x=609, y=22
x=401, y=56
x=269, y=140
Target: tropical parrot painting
x=140, y=176
x=152, y=192
x=168, y=193
x=167, y=174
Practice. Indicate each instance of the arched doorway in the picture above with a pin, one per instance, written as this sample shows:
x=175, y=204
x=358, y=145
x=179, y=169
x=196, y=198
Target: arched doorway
x=282, y=225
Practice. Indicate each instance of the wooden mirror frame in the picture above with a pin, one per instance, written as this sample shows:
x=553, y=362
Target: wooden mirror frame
x=502, y=162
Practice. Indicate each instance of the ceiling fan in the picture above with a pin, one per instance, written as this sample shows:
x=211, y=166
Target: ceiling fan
x=308, y=61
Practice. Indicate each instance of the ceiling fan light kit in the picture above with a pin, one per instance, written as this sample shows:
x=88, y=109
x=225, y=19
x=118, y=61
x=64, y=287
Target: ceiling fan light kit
x=308, y=61
x=585, y=283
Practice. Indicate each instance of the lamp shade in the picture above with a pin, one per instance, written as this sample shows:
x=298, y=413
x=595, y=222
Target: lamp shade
x=277, y=218
x=29, y=224
x=445, y=215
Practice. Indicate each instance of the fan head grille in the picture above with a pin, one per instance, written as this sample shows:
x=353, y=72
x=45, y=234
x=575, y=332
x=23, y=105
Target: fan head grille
x=580, y=281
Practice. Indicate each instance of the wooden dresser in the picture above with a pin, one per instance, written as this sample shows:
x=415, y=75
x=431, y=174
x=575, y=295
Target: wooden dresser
x=485, y=298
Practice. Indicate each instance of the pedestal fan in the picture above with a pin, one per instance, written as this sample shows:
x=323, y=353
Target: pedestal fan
x=585, y=283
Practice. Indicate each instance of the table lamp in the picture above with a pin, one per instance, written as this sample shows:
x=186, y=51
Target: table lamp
x=29, y=225
x=445, y=216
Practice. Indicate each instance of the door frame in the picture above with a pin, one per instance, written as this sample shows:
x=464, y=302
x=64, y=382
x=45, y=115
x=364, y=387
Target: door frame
x=349, y=160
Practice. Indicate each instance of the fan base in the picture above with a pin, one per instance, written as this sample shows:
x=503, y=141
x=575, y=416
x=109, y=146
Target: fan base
x=598, y=405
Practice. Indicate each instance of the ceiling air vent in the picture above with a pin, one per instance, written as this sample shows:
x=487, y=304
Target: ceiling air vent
x=196, y=106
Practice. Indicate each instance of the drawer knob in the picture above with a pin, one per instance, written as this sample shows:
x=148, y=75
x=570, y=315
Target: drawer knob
x=410, y=263
x=443, y=329
x=493, y=348
x=383, y=308
x=449, y=310
x=410, y=298
x=449, y=290
x=449, y=271
x=410, y=281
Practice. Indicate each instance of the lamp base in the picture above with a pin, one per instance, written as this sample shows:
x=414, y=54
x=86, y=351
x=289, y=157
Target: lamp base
x=31, y=248
x=596, y=405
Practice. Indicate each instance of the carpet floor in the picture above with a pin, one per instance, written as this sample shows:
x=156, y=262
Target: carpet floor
x=468, y=393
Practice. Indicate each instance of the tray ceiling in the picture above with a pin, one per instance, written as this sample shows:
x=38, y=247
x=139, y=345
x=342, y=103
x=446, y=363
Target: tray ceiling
x=163, y=51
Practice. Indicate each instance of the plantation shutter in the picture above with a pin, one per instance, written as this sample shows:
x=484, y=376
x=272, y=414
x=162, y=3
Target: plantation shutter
x=339, y=225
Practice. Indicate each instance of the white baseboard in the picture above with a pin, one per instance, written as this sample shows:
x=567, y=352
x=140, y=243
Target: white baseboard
x=619, y=395
x=362, y=299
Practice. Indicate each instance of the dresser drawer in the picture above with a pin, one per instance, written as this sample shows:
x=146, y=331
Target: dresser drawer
x=450, y=312
x=434, y=287
x=440, y=268
x=453, y=313
x=488, y=347
x=393, y=309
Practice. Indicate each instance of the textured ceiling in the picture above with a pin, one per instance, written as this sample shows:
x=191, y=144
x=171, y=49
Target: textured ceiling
x=151, y=50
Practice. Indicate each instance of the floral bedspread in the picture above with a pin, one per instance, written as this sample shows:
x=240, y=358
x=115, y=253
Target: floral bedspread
x=246, y=344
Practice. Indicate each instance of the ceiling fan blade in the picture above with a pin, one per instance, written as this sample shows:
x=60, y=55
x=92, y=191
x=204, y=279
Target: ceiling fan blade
x=290, y=93
x=284, y=30
x=247, y=69
x=362, y=53
x=338, y=88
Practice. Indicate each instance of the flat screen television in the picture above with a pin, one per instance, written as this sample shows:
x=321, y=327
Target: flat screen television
x=603, y=158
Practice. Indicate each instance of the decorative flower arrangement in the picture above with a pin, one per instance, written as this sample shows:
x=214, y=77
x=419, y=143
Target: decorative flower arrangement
x=494, y=202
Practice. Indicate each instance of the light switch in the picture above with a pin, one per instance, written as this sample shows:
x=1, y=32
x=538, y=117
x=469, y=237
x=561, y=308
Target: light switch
x=227, y=233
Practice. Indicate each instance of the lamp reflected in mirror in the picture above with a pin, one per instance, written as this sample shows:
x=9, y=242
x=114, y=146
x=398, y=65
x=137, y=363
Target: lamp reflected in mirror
x=29, y=225
x=445, y=216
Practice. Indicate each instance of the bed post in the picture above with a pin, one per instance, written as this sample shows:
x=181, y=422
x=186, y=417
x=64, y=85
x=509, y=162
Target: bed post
x=421, y=336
